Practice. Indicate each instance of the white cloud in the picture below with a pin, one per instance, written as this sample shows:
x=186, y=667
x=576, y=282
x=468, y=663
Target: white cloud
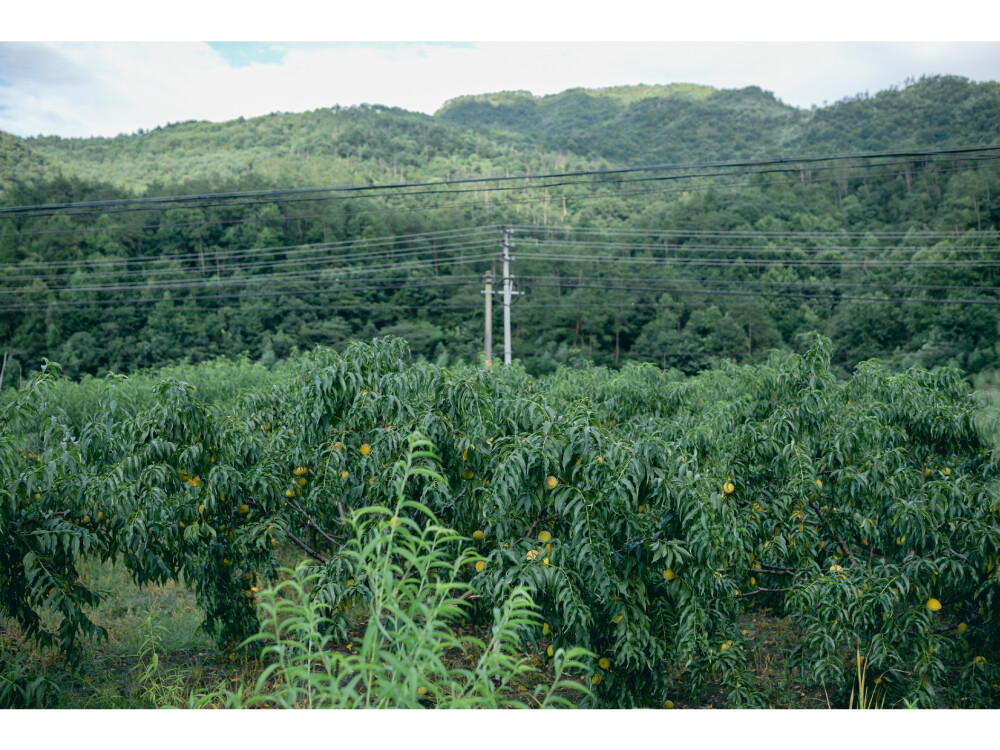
x=82, y=89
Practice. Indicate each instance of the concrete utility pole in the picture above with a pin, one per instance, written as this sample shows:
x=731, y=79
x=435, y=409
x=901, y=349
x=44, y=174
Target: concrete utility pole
x=507, y=284
x=488, y=333
x=508, y=292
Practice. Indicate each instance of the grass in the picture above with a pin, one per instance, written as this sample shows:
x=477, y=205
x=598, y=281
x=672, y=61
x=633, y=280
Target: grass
x=770, y=641
x=122, y=672
x=167, y=619
x=156, y=654
x=108, y=678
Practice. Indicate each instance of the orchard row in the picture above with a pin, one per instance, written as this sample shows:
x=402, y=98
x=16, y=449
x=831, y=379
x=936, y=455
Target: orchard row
x=644, y=512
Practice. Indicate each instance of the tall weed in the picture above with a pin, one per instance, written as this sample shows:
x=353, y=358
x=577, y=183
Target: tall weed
x=407, y=571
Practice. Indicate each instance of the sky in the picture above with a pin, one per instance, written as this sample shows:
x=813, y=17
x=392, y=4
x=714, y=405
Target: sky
x=80, y=87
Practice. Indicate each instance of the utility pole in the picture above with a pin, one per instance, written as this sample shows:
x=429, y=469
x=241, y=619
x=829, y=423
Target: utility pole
x=508, y=292
x=488, y=333
x=506, y=296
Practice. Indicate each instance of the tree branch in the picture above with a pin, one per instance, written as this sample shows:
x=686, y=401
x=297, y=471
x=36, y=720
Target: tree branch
x=840, y=540
x=773, y=571
x=843, y=547
x=457, y=498
x=307, y=549
x=531, y=531
x=760, y=591
x=312, y=524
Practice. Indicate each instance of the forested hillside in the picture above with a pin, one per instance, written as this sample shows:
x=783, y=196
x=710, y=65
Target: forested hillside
x=687, y=123
x=874, y=220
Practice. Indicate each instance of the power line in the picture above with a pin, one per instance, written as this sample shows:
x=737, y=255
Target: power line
x=349, y=287
x=391, y=191
x=360, y=242
x=299, y=277
x=789, y=295
x=751, y=249
x=291, y=271
x=472, y=280
x=695, y=232
x=209, y=267
x=410, y=259
x=407, y=261
x=487, y=206
x=324, y=306
x=766, y=262
x=756, y=282
x=742, y=164
x=318, y=254
x=325, y=263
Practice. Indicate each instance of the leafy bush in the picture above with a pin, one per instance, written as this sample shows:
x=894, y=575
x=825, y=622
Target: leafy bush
x=19, y=689
x=643, y=514
x=408, y=577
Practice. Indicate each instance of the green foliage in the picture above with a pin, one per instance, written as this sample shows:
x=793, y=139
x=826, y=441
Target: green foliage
x=159, y=686
x=144, y=288
x=642, y=513
x=407, y=575
x=43, y=538
x=841, y=492
x=20, y=689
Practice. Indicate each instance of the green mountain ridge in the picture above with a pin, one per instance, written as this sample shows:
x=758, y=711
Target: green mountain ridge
x=871, y=218
x=677, y=123
x=691, y=123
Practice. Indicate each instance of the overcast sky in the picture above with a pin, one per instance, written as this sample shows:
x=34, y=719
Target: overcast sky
x=85, y=88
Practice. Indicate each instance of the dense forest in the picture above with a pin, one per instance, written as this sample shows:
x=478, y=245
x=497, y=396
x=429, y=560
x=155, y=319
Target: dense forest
x=680, y=225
